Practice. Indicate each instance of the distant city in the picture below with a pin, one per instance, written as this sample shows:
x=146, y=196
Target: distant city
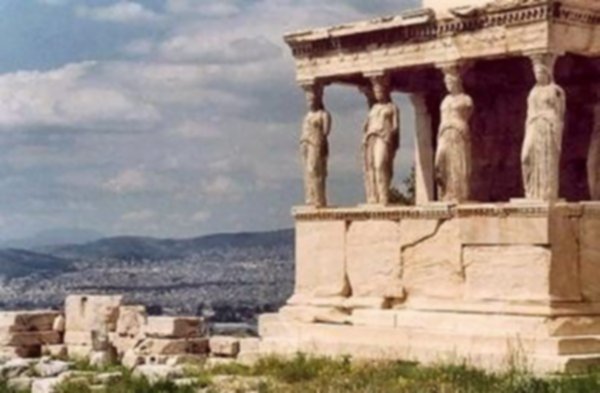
x=228, y=278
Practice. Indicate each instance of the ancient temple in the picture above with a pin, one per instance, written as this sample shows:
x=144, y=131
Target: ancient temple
x=499, y=261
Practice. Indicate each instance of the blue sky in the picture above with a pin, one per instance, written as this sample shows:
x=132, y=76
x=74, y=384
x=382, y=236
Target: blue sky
x=168, y=118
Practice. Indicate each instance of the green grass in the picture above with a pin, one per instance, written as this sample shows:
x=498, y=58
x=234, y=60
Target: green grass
x=131, y=384
x=304, y=374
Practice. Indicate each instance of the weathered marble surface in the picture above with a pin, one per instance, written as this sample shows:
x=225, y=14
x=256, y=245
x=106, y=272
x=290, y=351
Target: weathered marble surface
x=542, y=146
x=314, y=147
x=380, y=143
x=453, y=155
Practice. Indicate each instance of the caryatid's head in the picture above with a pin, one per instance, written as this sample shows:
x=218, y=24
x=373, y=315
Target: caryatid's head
x=314, y=96
x=453, y=80
x=543, y=69
x=381, y=89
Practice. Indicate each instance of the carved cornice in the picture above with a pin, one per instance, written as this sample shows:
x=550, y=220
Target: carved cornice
x=421, y=27
x=444, y=211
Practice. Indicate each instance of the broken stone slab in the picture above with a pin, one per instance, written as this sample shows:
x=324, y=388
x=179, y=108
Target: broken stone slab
x=166, y=346
x=83, y=312
x=16, y=368
x=159, y=372
x=27, y=321
x=173, y=327
x=131, y=359
x=131, y=321
x=23, y=339
x=20, y=384
x=51, y=368
x=249, y=350
x=123, y=343
x=73, y=337
x=58, y=351
x=45, y=385
x=59, y=324
x=224, y=346
x=102, y=359
x=79, y=351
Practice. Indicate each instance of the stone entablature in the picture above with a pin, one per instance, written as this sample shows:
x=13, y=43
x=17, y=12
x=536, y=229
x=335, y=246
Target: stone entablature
x=417, y=38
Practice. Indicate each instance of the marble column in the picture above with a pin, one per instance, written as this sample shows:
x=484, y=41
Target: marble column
x=424, y=165
x=314, y=146
x=542, y=146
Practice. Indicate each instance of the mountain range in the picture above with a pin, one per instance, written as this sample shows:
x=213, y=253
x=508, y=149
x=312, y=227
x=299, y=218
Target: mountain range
x=59, y=258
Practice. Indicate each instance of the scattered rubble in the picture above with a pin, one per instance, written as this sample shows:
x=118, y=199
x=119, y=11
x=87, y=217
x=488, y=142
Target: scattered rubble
x=39, y=350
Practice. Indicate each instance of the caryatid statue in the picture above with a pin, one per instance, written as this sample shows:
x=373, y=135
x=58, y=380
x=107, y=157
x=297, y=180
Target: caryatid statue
x=380, y=143
x=453, y=154
x=314, y=146
x=540, y=157
x=593, y=164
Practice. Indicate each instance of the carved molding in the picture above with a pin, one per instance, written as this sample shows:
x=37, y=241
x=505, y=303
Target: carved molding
x=443, y=211
x=512, y=28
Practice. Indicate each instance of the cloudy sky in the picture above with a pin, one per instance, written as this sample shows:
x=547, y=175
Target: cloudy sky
x=168, y=118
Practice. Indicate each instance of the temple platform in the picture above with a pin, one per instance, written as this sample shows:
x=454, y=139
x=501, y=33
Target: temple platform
x=494, y=285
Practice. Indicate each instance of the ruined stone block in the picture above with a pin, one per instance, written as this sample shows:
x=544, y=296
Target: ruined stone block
x=168, y=346
x=224, y=346
x=173, y=327
x=85, y=312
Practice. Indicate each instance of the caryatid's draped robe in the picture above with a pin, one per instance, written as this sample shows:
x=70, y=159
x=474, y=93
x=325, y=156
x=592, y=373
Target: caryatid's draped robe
x=381, y=142
x=542, y=146
x=453, y=155
x=315, y=152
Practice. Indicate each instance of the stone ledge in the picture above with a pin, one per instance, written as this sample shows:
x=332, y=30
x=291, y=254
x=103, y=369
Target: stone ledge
x=443, y=211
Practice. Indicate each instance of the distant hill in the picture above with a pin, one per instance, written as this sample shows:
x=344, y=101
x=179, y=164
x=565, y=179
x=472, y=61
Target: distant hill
x=53, y=237
x=138, y=248
x=18, y=263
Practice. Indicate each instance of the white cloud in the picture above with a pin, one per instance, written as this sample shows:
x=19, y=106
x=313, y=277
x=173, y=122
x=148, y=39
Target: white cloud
x=54, y=2
x=140, y=47
x=222, y=187
x=201, y=216
x=128, y=181
x=196, y=130
x=69, y=97
x=138, y=216
x=212, y=8
x=219, y=50
x=121, y=12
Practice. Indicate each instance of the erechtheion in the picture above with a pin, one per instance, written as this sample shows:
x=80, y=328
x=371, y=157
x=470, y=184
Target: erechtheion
x=499, y=261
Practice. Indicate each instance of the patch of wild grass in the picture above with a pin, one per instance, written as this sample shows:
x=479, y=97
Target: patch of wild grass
x=310, y=374
x=4, y=388
x=130, y=384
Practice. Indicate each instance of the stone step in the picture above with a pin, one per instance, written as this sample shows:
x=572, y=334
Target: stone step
x=486, y=349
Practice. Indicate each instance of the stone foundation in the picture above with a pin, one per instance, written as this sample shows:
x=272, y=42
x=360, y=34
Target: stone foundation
x=491, y=284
